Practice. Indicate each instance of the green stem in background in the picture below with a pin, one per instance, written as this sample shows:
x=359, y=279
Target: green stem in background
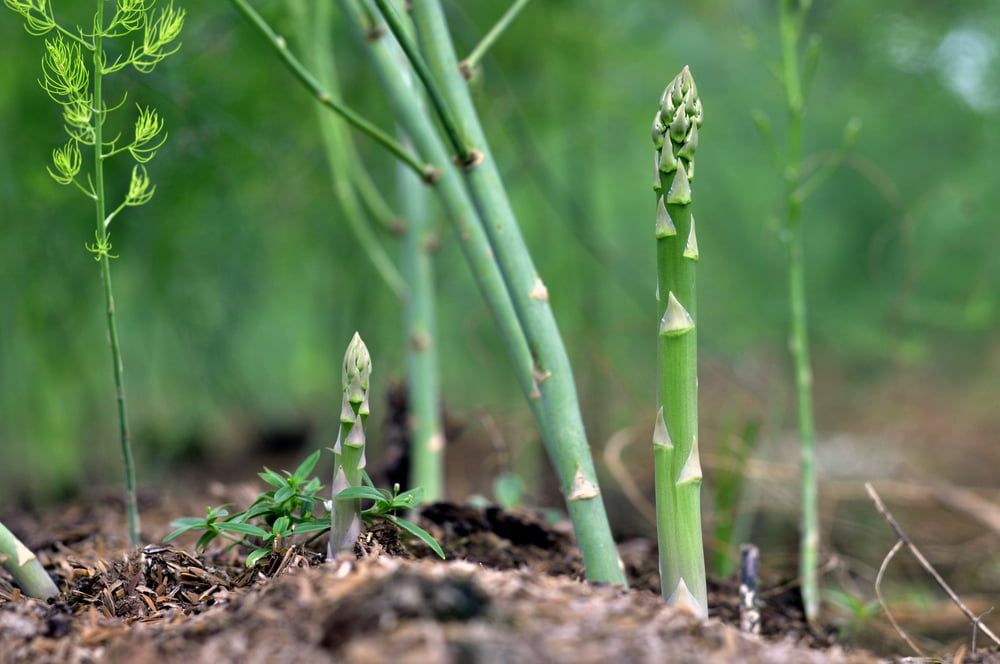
x=553, y=376
x=22, y=564
x=314, y=30
x=104, y=257
x=790, y=19
x=324, y=97
x=424, y=413
x=471, y=61
x=677, y=465
x=349, y=452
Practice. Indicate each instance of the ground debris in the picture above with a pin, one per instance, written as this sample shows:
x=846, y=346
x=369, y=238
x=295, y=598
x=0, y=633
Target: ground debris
x=511, y=591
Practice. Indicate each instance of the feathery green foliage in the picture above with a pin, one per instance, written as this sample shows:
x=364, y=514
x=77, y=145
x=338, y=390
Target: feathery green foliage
x=349, y=452
x=675, y=438
x=22, y=564
x=74, y=66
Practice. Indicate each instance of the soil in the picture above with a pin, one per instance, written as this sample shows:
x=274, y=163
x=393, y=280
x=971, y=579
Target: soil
x=511, y=590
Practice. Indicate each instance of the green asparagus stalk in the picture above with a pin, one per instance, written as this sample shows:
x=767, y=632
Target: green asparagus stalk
x=791, y=17
x=22, y=564
x=426, y=433
x=675, y=441
x=349, y=452
x=553, y=377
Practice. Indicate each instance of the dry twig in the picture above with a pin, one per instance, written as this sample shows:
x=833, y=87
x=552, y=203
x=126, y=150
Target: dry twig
x=904, y=540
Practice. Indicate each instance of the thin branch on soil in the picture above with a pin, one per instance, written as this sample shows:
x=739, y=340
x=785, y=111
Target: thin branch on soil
x=885, y=605
x=905, y=541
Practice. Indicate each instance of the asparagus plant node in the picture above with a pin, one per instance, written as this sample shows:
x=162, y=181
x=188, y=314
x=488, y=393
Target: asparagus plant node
x=661, y=437
x=539, y=291
x=676, y=320
x=691, y=248
x=582, y=488
x=664, y=224
x=682, y=598
x=691, y=470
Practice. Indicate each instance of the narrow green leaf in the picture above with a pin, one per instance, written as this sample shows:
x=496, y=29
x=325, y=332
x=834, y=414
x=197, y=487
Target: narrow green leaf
x=410, y=498
x=360, y=493
x=242, y=528
x=311, y=527
x=206, y=539
x=283, y=494
x=417, y=532
x=280, y=526
x=306, y=467
x=256, y=555
x=272, y=478
x=181, y=529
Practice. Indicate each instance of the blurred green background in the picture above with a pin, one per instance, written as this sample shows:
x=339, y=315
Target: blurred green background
x=239, y=285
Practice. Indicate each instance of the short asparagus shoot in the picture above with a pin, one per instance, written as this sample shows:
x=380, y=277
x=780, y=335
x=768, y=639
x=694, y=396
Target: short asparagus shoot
x=349, y=452
x=677, y=466
x=22, y=564
x=75, y=63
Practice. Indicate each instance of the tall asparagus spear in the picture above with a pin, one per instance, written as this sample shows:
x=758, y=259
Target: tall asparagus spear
x=675, y=441
x=28, y=573
x=349, y=452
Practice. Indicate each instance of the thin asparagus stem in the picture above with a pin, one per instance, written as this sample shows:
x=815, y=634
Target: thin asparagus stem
x=104, y=257
x=427, y=440
x=407, y=105
x=471, y=61
x=324, y=97
x=675, y=442
x=22, y=564
x=790, y=20
x=314, y=30
x=450, y=124
x=349, y=452
x=551, y=370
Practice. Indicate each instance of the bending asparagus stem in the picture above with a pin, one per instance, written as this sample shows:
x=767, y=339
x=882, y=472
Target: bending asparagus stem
x=675, y=441
x=22, y=564
x=552, y=375
x=349, y=452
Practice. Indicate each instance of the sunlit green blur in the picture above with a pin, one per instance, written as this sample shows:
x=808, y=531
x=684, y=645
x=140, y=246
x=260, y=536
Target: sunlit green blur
x=239, y=286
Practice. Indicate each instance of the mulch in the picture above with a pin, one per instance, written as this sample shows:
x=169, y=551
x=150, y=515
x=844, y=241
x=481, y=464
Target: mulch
x=511, y=591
